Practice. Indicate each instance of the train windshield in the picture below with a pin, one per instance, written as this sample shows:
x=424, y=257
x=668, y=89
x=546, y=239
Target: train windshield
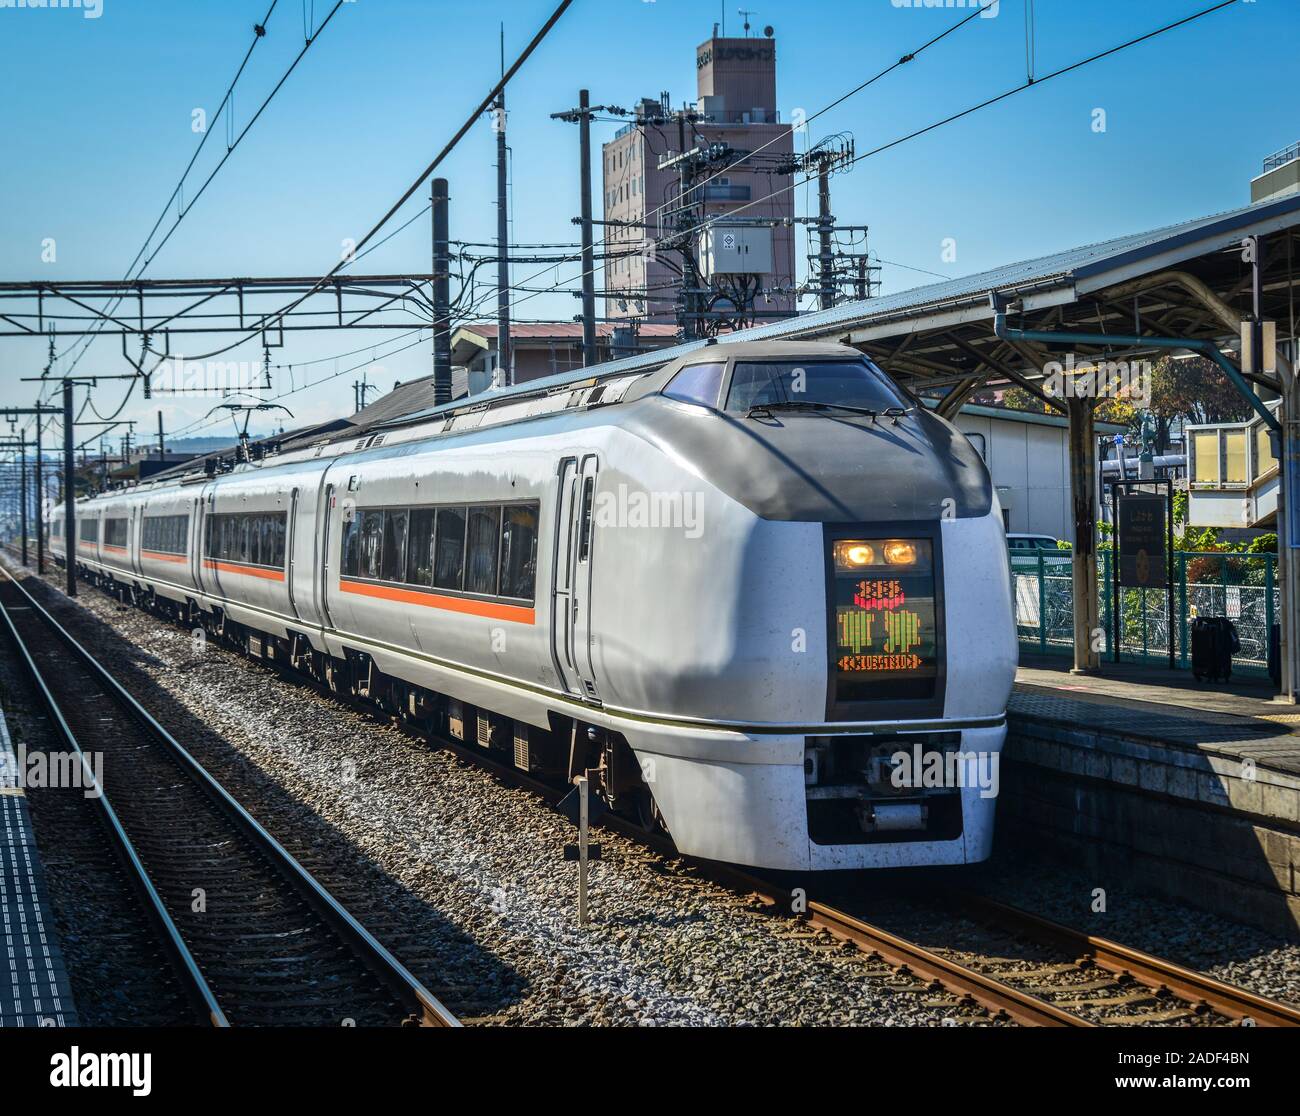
x=851, y=383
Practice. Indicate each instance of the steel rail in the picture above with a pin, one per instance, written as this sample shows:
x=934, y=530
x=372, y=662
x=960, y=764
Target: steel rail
x=1196, y=988
x=430, y=1010
x=1000, y=998
x=195, y=985
x=967, y=984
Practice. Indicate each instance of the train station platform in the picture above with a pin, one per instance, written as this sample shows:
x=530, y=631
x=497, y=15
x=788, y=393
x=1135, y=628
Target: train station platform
x=1192, y=789
x=34, y=989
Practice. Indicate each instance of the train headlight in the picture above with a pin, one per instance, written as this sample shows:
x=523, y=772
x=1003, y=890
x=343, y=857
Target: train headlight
x=898, y=553
x=853, y=555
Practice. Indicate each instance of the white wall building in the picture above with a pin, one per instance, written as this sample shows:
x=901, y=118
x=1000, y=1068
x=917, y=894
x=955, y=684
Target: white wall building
x=1028, y=458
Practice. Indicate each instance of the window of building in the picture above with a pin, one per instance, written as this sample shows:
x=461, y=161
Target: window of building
x=1264, y=458
x=1205, y=454
x=1234, y=456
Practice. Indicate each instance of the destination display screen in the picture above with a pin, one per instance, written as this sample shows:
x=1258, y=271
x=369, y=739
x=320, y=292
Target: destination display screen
x=886, y=638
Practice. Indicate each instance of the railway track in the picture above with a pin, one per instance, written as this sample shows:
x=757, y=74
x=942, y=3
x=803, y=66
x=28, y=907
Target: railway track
x=1088, y=977
x=254, y=939
x=1116, y=975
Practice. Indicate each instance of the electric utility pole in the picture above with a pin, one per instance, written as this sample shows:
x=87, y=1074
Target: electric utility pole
x=441, y=293
x=504, y=356
x=582, y=117
x=69, y=492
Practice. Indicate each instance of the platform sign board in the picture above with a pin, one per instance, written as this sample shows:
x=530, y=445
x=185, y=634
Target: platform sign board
x=1142, y=552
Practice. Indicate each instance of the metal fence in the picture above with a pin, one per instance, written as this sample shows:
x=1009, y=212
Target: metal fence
x=1242, y=587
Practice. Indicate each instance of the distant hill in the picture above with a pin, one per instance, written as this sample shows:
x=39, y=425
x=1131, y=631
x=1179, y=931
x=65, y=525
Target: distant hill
x=197, y=445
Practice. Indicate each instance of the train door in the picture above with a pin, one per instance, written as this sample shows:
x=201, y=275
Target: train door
x=571, y=583
x=290, y=537
x=327, y=514
x=197, y=547
x=134, y=526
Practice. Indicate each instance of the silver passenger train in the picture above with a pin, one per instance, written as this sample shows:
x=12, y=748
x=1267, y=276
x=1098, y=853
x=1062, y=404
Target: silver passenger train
x=743, y=591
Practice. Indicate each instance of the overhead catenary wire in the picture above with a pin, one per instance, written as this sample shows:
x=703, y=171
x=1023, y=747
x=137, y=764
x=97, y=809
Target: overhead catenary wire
x=420, y=179
x=362, y=249
x=915, y=133
x=231, y=146
x=988, y=102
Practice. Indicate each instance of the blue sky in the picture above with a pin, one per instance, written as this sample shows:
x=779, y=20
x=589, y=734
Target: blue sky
x=95, y=129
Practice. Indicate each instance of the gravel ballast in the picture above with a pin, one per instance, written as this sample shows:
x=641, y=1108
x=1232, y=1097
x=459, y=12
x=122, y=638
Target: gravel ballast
x=470, y=875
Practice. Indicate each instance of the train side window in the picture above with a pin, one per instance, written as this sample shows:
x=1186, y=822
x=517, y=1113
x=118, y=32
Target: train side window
x=449, y=553
x=267, y=553
x=419, y=547
x=256, y=523
x=481, y=553
x=584, y=539
x=372, y=543
x=351, y=547
x=279, y=530
x=519, y=552
x=393, y=567
x=697, y=383
x=115, y=532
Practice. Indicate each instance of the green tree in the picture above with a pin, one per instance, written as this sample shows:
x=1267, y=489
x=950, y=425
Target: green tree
x=1194, y=390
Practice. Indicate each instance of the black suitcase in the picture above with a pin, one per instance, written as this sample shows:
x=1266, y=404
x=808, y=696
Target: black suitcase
x=1229, y=645
x=1214, y=642
x=1205, y=642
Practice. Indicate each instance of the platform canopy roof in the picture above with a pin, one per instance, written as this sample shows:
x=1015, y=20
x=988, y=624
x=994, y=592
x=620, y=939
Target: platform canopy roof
x=1185, y=280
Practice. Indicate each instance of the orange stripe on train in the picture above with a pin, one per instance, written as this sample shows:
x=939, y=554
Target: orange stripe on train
x=160, y=556
x=521, y=614
x=240, y=568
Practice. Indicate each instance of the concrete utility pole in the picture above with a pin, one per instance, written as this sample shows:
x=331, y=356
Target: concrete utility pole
x=825, y=225
x=69, y=492
x=40, y=499
x=441, y=294
x=22, y=484
x=582, y=117
x=162, y=452
x=503, y=237
x=588, y=254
